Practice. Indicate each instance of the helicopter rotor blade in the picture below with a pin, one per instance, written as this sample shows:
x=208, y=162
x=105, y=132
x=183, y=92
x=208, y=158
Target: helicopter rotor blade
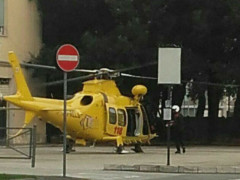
x=105, y=71
x=55, y=68
x=38, y=66
x=41, y=66
x=81, y=78
x=139, y=77
x=136, y=67
x=96, y=73
x=212, y=84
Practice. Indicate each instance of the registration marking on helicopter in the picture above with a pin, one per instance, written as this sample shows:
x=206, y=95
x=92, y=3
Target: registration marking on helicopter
x=118, y=130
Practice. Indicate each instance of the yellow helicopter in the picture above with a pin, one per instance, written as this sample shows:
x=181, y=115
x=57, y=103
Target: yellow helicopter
x=97, y=113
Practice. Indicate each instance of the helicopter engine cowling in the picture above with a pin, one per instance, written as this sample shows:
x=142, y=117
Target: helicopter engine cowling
x=139, y=91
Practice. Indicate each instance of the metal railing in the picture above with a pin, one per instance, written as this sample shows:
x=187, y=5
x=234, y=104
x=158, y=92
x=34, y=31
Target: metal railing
x=18, y=146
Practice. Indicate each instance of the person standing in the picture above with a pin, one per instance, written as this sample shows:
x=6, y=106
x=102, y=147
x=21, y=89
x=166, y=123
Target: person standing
x=178, y=129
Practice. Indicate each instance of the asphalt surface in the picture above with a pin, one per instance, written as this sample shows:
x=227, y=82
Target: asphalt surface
x=103, y=163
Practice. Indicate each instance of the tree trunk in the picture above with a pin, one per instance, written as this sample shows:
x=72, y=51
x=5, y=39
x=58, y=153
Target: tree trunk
x=201, y=104
x=178, y=95
x=214, y=94
x=237, y=106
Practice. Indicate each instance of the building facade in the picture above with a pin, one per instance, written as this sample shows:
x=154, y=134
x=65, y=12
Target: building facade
x=20, y=31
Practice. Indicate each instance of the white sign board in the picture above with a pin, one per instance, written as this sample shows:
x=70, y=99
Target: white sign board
x=169, y=65
x=167, y=114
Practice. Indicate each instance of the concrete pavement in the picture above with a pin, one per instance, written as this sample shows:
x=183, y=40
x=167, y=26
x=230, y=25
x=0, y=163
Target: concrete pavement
x=197, y=159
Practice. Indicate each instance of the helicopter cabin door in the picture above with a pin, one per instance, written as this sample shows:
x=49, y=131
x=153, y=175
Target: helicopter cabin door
x=116, y=120
x=135, y=122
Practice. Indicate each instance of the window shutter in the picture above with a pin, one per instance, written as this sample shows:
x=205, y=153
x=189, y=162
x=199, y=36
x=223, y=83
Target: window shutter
x=1, y=12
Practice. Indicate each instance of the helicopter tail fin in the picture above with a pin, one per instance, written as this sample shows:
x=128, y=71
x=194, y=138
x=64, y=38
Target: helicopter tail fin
x=23, y=92
x=22, y=88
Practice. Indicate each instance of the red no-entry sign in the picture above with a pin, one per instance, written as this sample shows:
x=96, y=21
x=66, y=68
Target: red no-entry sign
x=67, y=57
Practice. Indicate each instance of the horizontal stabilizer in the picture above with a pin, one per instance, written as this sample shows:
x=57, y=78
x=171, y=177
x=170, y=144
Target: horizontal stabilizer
x=29, y=115
x=28, y=118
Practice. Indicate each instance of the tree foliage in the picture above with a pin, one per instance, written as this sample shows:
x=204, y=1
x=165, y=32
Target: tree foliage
x=124, y=33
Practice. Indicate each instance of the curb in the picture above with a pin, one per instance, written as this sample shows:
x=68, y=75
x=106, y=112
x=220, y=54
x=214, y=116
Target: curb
x=174, y=169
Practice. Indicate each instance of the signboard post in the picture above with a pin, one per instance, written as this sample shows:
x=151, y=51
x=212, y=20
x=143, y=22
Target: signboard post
x=169, y=72
x=67, y=58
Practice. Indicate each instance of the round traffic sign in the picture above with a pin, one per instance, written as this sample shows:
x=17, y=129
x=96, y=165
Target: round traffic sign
x=67, y=57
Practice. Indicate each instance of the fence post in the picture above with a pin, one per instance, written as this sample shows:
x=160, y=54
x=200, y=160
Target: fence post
x=30, y=142
x=33, y=145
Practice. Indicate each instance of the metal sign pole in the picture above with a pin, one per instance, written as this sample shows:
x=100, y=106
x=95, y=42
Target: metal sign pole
x=34, y=131
x=169, y=72
x=169, y=126
x=67, y=58
x=168, y=144
x=64, y=122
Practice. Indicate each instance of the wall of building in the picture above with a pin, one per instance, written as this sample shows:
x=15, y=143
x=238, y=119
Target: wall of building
x=22, y=29
x=22, y=34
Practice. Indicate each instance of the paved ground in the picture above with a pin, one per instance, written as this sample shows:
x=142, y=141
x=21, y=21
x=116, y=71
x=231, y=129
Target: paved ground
x=198, y=159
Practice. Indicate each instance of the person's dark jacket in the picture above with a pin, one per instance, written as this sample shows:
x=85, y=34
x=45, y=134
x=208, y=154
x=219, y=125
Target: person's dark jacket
x=178, y=123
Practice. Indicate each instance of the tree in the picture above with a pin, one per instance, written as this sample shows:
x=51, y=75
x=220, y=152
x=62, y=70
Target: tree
x=125, y=33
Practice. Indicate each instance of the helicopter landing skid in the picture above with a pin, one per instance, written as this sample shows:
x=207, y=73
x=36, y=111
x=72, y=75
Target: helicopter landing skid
x=120, y=150
x=137, y=148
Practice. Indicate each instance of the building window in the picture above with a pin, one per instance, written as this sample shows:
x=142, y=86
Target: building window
x=1, y=17
x=4, y=81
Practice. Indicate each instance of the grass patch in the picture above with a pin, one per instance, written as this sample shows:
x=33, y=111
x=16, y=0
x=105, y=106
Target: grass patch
x=8, y=177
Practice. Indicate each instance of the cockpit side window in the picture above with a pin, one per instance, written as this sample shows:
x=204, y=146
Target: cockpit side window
x=121, y=117
x=86, y=100
x=112, y=116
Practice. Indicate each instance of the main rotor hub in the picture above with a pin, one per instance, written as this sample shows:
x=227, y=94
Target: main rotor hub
x=105, y=73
